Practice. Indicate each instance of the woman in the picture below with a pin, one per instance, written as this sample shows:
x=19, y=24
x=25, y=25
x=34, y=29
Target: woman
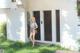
x=33, y=27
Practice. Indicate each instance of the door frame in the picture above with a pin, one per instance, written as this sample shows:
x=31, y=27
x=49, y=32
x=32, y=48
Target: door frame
x=42, y=26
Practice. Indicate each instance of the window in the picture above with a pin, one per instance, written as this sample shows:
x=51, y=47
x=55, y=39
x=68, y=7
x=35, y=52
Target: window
x=57, y=25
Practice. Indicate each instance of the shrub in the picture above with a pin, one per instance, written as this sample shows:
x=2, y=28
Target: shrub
x=79, y=43
x=3, y=31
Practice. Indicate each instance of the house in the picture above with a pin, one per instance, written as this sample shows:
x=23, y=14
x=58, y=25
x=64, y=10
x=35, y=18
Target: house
x=57, y=21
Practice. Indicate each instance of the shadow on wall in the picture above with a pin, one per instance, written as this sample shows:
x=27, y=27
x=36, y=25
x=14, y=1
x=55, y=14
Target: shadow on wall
x=15, y=24
x=68, y=28
x=68, y=39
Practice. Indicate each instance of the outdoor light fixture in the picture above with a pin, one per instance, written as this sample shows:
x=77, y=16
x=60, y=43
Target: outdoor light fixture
x=16, y=4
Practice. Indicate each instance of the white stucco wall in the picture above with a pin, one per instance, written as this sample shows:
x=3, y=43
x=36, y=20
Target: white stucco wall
x=3, y=16
x=68, y=18
x=25, y=4
x=16, y=25
x=5, y=4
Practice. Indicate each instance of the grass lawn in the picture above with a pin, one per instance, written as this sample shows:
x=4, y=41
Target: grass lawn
x=17, y=47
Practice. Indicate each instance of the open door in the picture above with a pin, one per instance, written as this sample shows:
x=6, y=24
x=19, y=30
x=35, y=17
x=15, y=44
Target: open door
x=36, y=14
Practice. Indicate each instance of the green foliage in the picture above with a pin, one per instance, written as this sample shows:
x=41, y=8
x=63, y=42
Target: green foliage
x=79, y=43
x=47, y=51
x=78, y=8
x=3, y=30
x=20, y=47
x=17, y=45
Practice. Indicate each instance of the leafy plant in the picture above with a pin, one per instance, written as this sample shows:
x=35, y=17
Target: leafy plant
x=3, y=30
x=47, y=51
x=79, y=43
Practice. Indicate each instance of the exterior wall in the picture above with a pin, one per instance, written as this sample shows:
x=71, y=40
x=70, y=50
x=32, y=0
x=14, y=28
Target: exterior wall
x=68, y=19
x=10, y=4
x=5, y=4
x=16, y=20
x=3, y=15
x=25, y=4
x=16, y=26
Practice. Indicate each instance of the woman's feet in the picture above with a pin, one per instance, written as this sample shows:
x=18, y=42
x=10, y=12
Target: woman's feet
x=33, y=44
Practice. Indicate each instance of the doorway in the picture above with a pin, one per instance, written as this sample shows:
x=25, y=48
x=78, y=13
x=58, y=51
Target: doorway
x=36, y=14
x=47, y=25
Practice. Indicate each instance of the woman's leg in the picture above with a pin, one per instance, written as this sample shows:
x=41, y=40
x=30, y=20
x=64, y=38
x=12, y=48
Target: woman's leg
x=31, y=34
x=33, y=42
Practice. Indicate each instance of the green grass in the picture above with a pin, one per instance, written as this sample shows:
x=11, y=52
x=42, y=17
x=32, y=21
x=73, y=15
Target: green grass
x=18, y=47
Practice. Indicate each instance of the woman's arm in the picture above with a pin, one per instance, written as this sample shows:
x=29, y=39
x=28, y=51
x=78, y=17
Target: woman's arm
x=36, y=26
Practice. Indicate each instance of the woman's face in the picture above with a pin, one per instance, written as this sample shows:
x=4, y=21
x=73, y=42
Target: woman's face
x=33, y=19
